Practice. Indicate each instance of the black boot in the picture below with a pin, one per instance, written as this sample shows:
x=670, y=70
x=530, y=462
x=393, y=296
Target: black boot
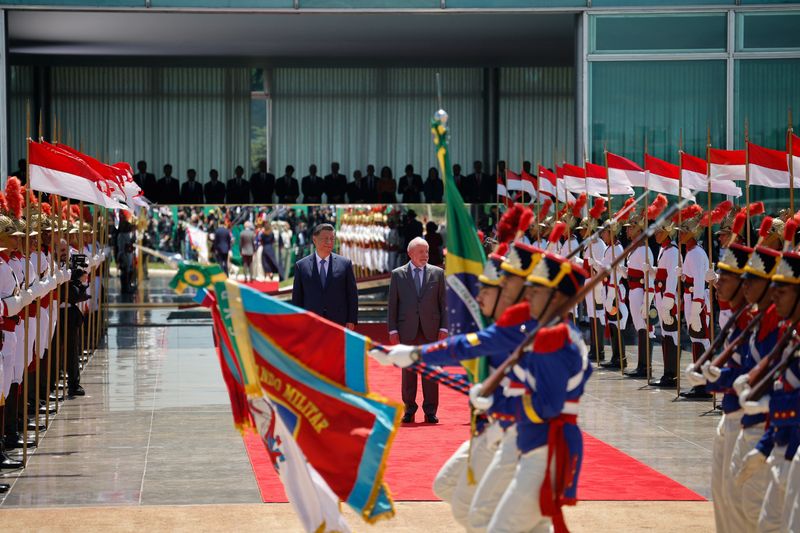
x=670, y=357
x=641, y=363
x=596, y=330
x=615, y=362
x=7, y=463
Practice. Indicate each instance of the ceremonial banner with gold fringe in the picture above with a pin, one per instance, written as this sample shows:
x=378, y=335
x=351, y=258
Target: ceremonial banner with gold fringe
x=465, y=256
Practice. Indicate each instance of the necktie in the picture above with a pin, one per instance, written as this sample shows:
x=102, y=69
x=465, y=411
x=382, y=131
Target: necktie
x=322, y=273
x=418, y=275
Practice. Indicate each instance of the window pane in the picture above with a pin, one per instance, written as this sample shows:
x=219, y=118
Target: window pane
x=768, y=31
x=629, y=101
x=658, y=33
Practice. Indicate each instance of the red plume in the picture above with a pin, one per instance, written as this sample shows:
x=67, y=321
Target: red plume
x=756, y=209
x=563, y=210
x=558, y=231
x=657, y=207
x=502, y=249
x=545, y=209
x=507, y=226
x=766, y=226
x=14, y=197
x=716, y=215
x=738, y=222
x=625, y=210
x=577, y=207
x=46, y=209
x=525, y=220
x=599, y=206
x=3, y=203
x=481, y=236
x=87, y=214
x=690, y=212
x=75, y=212
x=790, y=230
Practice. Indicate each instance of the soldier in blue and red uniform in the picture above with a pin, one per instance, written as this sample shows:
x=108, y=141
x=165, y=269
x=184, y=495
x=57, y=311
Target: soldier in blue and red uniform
x=554, y=371
x=730, y=268
x=779, y=444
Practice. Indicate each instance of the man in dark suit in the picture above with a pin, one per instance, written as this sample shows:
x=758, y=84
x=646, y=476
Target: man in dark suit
x=335, y=185
x=354, y=188
x=262, y=184
x=324, y=282
x=313, y=187
x=417, y=315
x=222, y=245
x=410, y=186
x=169, y=191
x=465, y=184
x=286, y=187
x=369, y=186
x=191, y=191
x=486, y=188
x=238, y=188
x=146, y=181
x=214, y=189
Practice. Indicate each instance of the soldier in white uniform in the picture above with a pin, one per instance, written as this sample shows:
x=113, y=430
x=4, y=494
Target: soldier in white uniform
x=616, y=310
x=595, y=298
x=666, y=300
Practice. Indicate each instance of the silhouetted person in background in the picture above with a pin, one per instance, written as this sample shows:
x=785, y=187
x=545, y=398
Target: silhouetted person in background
x=22, y=171
x=354, y=188
x=410, y=186
x=369, y=186
x=169, y=191
x=433, y=188
x=262, y=184
x=486, y=188
x=192, y=190
x=313, y=187
x=214, y=189
x=146, y=181
x=387, y=187
x=286, y=188
x=238, y=188
x=465, y=184
x=335, y=185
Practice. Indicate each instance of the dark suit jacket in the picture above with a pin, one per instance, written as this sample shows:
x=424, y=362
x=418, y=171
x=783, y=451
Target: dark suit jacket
x=191, y=193
x=313, y=187
x=485, y=187
x=169, y=192
x=411, y=189
x=335, y=188
x=467, y=187
x=262, y=187
x=222, y=240
x=287, y=190
x=410, y=313
x=369, y=194
x=148, y=184
x=338, y=301
x=434, y=190
x=215, y=192
x=238, y=191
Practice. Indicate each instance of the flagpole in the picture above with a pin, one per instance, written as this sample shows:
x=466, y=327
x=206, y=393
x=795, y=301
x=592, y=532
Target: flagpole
x=538, y=205
x=25, y=258
x=747, y=176
x=789, y=142
x=648, y=369
x=591, y=272
x=679, y=291
x=64, y=328
x=622, y=356
x=81, y=250
x=710, y=239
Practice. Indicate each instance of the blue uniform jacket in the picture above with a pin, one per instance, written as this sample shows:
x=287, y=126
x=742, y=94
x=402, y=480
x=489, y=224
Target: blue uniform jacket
x=733, y=369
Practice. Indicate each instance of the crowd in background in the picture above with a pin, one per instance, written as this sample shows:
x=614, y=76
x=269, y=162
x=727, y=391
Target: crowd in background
x=262, y=187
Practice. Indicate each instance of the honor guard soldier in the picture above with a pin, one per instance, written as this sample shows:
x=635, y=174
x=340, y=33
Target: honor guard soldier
x=730, y=269
x=595, y=298
x=666, y=301
x=554, y=371
x=640, y=283
x=571, y=217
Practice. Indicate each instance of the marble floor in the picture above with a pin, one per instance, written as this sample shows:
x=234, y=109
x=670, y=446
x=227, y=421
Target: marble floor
x=155, y=429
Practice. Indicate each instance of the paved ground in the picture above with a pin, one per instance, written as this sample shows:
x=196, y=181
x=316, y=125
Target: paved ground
x=155, y=430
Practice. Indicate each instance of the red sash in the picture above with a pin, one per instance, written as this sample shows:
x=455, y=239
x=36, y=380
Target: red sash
x=551, y=501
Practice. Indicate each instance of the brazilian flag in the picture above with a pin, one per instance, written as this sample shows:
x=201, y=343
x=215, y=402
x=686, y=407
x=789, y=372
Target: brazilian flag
x=465, y=256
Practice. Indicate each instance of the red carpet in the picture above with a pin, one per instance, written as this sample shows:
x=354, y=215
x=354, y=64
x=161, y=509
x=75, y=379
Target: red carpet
x=263, y=286
x=419, y=450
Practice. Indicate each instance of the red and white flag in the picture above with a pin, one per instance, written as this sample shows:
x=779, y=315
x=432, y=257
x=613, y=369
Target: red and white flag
x=114, y=183
x=562, y=193
x=663, y=176
x=132, y=190
x=794, y=150
x=530, y=184
x=622, y=168
x=547, y=184
x=502, y=192
x=694, y=171
x=55, y=171
x=518, y=182
x=596, y=176
x=768, y=168
x=727, y=164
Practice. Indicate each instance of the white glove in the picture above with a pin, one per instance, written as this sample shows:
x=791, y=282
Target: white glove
x=401, y=355
x=695, y=379
x=597, y=265
x=14, y=305
x=756, y=407
x=59, y=277
x=52, y=283
x=742, y=387
x=752, y=463
x=622, y=271
x=695, y=321
x=711, y=276
x=69, y=274
x=711, y=373
x=380, y=356
x=96, y=259
x=27, y=297
x=103, y=255
x=37, y=289
x=678, y=271
x=667, y=304
x=479, y=402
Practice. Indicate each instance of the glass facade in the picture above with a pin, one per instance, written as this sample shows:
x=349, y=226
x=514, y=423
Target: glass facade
x=648, y=34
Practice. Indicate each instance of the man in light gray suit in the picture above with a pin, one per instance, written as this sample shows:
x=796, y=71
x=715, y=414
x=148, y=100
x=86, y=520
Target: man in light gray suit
x=417, y=315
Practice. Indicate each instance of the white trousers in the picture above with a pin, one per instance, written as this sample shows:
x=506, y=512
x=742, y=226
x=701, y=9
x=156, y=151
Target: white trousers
x=747, y=498
x=9, y=355
x=771, y=517
x=518, y=510
x=43, y=319
x=494, y=482
x=791, y=505
x=483, y=450
x=24, y=356
x=724, y=440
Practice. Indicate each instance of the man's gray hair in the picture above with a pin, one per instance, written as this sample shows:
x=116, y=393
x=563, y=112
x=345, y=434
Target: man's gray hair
x=416, y=241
